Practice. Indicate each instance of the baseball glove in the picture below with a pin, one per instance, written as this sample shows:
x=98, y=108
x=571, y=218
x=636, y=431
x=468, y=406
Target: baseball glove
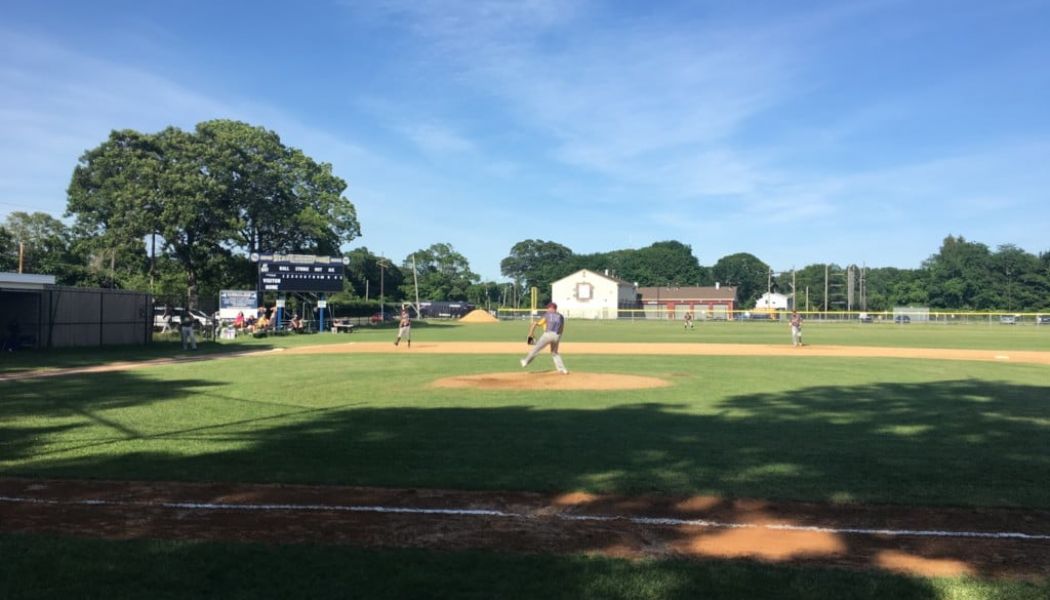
x=530, y=340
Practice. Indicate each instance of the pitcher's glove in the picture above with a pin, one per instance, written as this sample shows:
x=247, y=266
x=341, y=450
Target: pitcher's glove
x=530, y=340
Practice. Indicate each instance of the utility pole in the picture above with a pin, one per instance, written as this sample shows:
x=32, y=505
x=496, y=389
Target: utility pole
x=825, y=288
x=794, y=298
x=382, y=309
x=22, y=257
x=415, y=282
x=152, y=258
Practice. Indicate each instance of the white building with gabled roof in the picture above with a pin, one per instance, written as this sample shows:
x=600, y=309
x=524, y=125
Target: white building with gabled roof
x=587, y=294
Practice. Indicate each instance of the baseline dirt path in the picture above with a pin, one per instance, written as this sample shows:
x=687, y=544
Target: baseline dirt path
x=669, y=349
x=660, y=349
x=914, y=540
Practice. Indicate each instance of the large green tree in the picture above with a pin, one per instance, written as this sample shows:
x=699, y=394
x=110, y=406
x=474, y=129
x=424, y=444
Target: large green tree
x=958, y=276
x=370, y=275
x=1016, y=279
x=443, y=274
x=205, y=198
x=280, y=199
x=8, y=250
x=746, y=272
x=537, y=263
x=46, y=244
x=663, y=263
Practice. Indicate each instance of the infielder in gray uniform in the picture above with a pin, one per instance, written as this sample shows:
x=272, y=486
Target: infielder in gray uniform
x=553, y=323
x=404, y=328
x=796, y=328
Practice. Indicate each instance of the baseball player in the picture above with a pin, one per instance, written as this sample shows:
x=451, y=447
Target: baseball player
x=796, y=328
x=688, y=318
x=404, y=328
x=553, y=324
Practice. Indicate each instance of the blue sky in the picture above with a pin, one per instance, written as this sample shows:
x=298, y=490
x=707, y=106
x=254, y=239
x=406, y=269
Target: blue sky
x=801, y=132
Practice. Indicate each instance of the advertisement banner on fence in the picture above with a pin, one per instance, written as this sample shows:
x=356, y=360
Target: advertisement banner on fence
x=232, y=302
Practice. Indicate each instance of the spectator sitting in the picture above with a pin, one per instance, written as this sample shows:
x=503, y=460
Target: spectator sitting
x=296, y=324
x=260, y=326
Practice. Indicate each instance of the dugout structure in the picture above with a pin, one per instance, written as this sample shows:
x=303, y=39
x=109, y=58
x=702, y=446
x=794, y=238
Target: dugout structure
x=36, y=313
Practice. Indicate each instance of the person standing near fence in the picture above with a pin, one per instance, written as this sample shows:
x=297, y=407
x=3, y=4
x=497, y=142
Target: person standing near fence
x=404, y=328
x=186, y=329
x=796, y=328
x=554, y=324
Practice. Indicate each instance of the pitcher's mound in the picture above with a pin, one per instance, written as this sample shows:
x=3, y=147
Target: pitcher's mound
x=551, y=380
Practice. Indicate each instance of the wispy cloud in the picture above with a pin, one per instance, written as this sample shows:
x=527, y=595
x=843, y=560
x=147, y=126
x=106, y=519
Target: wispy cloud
x=436, y=139
x=643, y=101
x=58, y=103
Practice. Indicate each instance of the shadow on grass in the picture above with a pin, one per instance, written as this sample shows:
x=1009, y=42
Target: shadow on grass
x=964, y=442
x=67, y=358
x=140, y=569
x=967, y=442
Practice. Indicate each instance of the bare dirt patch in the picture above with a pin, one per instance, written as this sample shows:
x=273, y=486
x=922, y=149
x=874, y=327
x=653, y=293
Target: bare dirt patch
x=551, y=380
x=478, y=316
x=619, y=526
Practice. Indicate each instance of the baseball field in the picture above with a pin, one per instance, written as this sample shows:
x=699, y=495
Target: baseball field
x=876, y=461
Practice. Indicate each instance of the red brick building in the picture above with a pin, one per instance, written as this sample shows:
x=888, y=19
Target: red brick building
x=712, y=302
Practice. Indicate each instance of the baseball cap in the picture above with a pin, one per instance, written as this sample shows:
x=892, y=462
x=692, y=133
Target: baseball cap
x=552, y=305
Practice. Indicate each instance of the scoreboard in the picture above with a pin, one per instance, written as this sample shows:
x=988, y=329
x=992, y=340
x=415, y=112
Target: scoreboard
x=300, y=272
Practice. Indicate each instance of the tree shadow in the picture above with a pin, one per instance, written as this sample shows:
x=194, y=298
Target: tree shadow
x=194, y=570
x=965, y=442
x=67, y=358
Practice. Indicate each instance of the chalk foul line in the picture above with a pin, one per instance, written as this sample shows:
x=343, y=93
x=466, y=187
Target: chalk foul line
x=470, y=512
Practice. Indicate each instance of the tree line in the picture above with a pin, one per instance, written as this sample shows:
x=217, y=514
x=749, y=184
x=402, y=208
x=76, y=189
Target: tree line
x=961, y=275
x=178, y=212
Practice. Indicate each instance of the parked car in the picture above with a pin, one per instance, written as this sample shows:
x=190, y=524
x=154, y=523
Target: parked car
x=1042, y=319
x=902, y=319
x=865, y=318
x=163, y=317
x=1008, y=320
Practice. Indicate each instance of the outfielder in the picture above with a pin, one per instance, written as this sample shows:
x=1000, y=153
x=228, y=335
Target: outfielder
x=553, y=323
x=796, y=328
x=404, y=328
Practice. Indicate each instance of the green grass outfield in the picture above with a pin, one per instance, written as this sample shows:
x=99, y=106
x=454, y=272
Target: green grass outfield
x=808, y=428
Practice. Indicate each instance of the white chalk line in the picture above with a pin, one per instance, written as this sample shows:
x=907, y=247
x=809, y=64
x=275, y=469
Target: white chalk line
x=472, y=512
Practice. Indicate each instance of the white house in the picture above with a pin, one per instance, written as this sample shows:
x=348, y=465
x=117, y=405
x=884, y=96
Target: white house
x=771, y=301
x=589, y=295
